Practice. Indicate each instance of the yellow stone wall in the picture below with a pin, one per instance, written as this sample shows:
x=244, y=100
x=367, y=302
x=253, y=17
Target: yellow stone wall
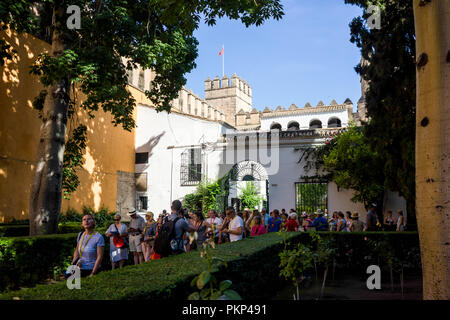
x=109, y=149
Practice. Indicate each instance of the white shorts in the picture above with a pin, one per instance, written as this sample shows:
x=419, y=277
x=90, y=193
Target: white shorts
x=135, y=243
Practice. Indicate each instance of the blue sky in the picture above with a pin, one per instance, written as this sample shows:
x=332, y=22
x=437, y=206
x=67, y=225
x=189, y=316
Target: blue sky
x=305, y=57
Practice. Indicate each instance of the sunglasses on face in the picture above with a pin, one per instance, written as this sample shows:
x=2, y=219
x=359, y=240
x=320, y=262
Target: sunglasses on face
x=116, y=219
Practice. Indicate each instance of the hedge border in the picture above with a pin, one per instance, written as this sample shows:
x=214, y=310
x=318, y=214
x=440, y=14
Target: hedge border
x=252, y=266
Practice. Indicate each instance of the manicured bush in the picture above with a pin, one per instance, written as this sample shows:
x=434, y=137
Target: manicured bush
x=25, y=261
x=69, y=222
x=14, y=230
x=253, y=266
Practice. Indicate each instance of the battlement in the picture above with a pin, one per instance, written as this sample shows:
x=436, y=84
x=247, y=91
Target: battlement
x=224, y=83
x=229, y=95
x=190, y=103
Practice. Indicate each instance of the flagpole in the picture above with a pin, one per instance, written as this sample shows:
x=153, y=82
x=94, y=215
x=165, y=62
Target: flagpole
x=223, y=61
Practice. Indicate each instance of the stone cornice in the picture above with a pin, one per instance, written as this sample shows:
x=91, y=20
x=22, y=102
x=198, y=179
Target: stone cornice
x=310, y=133
x=305, y=110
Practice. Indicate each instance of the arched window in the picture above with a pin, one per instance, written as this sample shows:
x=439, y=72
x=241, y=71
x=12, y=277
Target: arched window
x=293, y=125
x=334, y=123
x=315, y=124
x=275, y=126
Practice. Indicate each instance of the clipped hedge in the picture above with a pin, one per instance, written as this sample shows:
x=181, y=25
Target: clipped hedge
x=24, y=230
x=26, y=261
x=252, y=266
x=14, y=230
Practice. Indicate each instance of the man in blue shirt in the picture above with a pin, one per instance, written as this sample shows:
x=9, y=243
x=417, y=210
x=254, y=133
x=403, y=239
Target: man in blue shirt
x=274, y=223
x=320, y=223
x=181, y=226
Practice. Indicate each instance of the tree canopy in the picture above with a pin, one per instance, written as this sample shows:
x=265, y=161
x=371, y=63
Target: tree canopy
x=390, y=99
x=151, y=34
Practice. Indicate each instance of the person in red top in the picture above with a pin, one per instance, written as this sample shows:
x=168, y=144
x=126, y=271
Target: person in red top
x=291, y=224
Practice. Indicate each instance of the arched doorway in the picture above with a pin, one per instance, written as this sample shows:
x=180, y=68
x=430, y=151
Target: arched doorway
x=246, y=172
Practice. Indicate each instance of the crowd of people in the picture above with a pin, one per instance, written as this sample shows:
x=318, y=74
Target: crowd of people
x=183, y=230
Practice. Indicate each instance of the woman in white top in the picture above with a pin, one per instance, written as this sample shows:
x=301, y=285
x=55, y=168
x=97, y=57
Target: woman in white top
x=400, y=221
x=348, y=218
x=236, y=228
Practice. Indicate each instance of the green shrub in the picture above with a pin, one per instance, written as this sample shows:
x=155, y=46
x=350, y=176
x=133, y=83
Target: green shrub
x=253, y=266
x=71, y=215
x=26, y=261
x=14, y=230
x=14, y=221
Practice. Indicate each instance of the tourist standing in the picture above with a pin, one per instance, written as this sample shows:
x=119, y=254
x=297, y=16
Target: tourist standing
x=334, y=221
x=274, y=223
x=371, y=219
x=308, y=221
x=223, y=236
x=341, y=224
x=348, y=220
x=320, y=223
x=258, y=227
x=400, y=221
x=265, y=217
x=135, y=230
x=200, y=227
x=149, y=235
x=213, y=222
x=389, y=223
x=88, y=254
x=356, y=226
x=181, y=226
x=117, y=232
x=292, y=223
x=236, y=228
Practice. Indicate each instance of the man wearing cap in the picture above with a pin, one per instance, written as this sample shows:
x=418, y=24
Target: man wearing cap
x=371, y=220
x=137, y=225
x=320, y=223
x=356, y=226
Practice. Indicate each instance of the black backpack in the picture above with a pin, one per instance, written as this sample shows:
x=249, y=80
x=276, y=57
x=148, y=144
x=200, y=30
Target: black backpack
x=165, y=236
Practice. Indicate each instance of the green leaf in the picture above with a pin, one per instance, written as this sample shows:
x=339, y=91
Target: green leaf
x=224, y=285
x=232, y=295
x=204, y=293
x=216, y=295
x=194, y=296
x=194, y=281
x=203, y=279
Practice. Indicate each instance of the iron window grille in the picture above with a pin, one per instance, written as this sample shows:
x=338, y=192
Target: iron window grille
x=311, y=196
x=191, y=167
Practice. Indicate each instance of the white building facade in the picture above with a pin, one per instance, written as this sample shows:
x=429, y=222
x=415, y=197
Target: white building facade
x=176, y=151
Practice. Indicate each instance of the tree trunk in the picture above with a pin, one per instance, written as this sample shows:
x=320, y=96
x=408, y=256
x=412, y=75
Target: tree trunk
x=432, y=24
x=392, y=278
x=46, y=188
x=324, y=280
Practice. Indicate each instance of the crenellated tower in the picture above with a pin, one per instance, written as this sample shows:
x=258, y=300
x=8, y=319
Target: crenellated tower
x=229, y=97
